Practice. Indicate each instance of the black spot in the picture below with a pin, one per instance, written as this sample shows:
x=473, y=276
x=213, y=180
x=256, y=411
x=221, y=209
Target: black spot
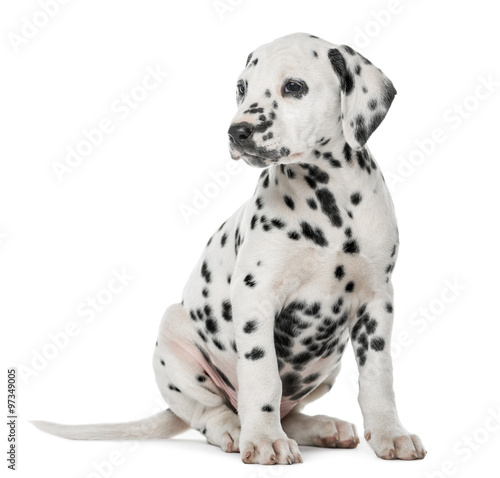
x=278, y=223
x=227, y=311
x=337, y=307
x=356, y=198
x=208, y=310
x=388, y=307
x=339, y=66
x=363, y=341
x=162, y=362
x=371, y=326
x=372, y=104
x=339, y=272
x=205, y=273
x=223, y=240
x=211, y=326
x=349, y=50
x=233, y=346
x=348, y=232
x=259, y=203
x=349, y=287
x=313, y=309
x=350, y=247
x=302, y=393
x=290, y=383
x=310, y=181
x=357, y=69
x=360, y=130
x=202, y=335
x=192, y=315
x=289, y=322
x=229, y=279
x=389, y=268
x=268, y=94
x=294, y=235
x=289, y=202
x=218, y=344
x=238, y=240
x=312, y=203
x=334, y=163
x=347, y=153
x=311, y=378
x=315, y=54
x=275, y=105
x=315, y=235
x=254, y=220
x=201, y=378
x=249, y=280
x=393, y=253
x=250, y=326
x=267, y=408
x=265, y=183
x=360, y=353
x=282, y=344
x=224, y=378
x=248, y=59
x=255, y=61
x=255, y=354
x=173, y=388
x=377, y=344
x=205, y=292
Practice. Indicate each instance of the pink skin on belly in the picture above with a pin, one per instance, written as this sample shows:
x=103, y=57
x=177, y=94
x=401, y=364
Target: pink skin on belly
x=232, y=395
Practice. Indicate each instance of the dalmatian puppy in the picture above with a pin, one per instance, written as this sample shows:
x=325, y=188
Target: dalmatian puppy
x=299, y=270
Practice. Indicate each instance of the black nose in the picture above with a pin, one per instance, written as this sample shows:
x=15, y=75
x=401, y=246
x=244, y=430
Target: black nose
x=240, y=133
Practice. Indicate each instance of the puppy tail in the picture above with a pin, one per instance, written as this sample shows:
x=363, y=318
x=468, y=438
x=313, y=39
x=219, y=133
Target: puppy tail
x=162, y=425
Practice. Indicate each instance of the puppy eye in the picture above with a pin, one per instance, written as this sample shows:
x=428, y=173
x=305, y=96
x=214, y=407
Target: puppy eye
x=293, y=87
x=241, y=89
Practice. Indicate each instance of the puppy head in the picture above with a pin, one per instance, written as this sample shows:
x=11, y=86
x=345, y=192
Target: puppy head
x=299, y=89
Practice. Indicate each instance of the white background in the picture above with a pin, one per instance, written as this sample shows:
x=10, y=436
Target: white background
x=120, y=208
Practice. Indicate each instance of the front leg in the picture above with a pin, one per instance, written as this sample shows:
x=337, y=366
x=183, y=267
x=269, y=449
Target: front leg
x=371, y=330
x=255, y=305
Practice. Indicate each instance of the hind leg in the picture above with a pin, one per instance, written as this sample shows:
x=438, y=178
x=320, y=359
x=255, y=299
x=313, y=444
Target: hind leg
x=319, y=430
x=190, y=393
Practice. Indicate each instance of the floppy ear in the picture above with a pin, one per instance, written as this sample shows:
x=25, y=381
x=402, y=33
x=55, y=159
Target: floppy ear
x=365, y=94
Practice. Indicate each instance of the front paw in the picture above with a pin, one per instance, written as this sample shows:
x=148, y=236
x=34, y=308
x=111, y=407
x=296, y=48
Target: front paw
x=391, y=444
x=266, y=450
